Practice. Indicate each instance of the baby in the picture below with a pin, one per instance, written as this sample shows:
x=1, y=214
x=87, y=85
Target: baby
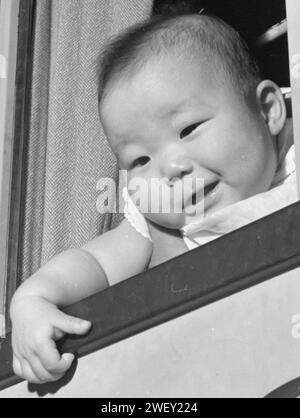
x=179, y=99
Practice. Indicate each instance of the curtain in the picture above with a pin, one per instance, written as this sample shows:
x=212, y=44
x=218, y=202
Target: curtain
x=67, y=152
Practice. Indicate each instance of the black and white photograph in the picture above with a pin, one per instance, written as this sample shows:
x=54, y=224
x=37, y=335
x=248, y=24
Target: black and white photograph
x=149, y=202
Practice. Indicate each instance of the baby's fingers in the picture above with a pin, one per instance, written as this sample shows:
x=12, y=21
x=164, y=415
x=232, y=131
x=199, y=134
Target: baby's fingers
x=23, y=369
x=17, y=368
x=41, y=373
x=34, y=373
x=72, y=325
x=52, y=361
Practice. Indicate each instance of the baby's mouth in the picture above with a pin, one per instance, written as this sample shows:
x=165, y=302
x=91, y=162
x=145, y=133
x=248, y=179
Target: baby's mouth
x=207, y=191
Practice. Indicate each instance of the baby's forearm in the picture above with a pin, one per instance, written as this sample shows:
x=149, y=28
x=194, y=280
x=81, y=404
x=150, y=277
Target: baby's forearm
x=66, y=279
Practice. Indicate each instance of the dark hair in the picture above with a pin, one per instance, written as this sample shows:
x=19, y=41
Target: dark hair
x=191, y=35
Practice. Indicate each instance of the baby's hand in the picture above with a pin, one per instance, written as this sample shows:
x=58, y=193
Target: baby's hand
x=37, y=324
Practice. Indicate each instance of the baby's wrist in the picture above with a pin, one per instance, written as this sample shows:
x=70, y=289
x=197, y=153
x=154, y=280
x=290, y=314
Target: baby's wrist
x=20, y=301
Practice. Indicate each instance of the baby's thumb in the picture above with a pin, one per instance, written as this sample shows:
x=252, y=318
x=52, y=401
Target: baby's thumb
x=67, y=359
x=71, y=325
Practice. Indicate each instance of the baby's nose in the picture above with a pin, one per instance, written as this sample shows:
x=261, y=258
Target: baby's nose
x=177, y=168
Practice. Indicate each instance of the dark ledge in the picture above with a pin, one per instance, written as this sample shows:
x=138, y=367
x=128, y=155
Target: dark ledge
x=237, y=261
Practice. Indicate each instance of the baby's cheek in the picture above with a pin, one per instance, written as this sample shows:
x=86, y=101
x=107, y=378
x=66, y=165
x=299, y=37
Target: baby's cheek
x=253, y=169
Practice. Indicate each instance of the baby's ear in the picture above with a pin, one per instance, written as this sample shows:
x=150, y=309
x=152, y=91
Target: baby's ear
x=272, y=105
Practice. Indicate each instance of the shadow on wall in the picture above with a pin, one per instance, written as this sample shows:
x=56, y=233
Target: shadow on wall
x=290, y=390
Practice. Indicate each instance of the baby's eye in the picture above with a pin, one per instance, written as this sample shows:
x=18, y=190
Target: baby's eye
x=140, y=162
x=187, y=131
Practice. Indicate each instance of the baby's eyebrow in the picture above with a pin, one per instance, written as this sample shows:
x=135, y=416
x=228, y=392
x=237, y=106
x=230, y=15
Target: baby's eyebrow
x=123, y=144
x=178, y=108
x=175, y=109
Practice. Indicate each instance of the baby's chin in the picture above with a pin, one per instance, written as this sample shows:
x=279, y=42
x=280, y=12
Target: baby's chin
x=167, y=220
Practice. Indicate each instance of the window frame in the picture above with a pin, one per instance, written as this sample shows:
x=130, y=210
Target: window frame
x=19, y=57
x=8, y=51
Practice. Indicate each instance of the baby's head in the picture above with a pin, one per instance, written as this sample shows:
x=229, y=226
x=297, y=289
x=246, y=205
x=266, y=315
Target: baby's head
x=180, y=98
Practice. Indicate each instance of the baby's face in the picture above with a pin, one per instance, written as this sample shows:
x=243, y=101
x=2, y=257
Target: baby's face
x=171, y=121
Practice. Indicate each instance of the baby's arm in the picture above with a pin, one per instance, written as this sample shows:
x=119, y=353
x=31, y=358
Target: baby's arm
x=66, y=279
